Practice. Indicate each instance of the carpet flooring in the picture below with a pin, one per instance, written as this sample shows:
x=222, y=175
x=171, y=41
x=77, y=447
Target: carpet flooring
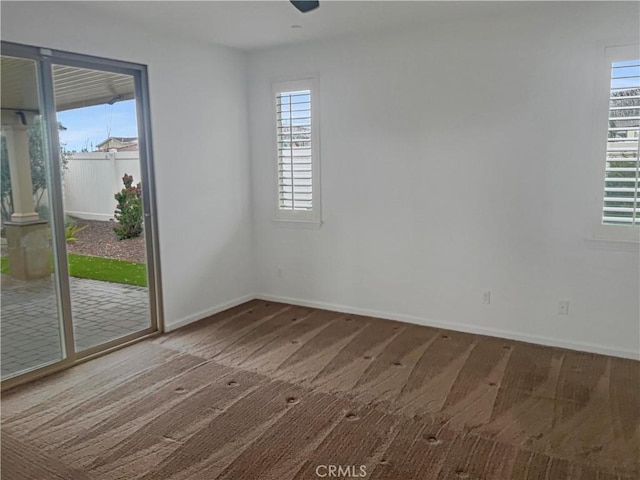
x=271, y=391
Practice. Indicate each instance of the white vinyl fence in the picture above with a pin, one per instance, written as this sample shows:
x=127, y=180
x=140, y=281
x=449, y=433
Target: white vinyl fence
x=92, y=179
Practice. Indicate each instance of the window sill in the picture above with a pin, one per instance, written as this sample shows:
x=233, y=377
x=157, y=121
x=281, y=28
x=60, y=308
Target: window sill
x=302, y=224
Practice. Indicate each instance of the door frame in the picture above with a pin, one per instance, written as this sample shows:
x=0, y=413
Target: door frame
x=44, y=59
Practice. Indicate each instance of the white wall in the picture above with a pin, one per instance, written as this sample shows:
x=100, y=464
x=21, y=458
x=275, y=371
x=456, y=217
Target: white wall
x=91, y=180
x=199, y=122
x=456, y=159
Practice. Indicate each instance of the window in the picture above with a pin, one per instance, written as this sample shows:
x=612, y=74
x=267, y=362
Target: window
x=297, y=151
x=619, y=211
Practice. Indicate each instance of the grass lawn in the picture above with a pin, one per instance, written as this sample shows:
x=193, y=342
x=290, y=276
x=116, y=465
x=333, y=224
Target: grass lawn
x=99, y=268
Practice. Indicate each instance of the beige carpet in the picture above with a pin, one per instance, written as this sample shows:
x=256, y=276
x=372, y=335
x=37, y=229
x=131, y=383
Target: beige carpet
x=275, y=392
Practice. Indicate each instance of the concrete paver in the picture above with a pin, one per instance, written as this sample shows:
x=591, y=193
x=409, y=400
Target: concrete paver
x=29, y=321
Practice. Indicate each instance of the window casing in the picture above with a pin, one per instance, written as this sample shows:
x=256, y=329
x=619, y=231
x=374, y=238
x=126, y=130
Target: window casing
x=619, y=117
x=297, y=152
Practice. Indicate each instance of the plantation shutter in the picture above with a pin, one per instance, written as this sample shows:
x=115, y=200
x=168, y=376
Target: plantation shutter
x=295, y=166
x=621, y=203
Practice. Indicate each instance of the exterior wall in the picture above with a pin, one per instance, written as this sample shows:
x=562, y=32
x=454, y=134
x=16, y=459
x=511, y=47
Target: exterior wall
x=92, y=179
x=455, y=159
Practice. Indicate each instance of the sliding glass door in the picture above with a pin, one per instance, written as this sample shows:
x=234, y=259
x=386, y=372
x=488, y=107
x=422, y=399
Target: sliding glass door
x=31, y=327
x=79, y=256
x=106, y=249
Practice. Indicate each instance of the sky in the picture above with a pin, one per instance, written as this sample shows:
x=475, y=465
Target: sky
x=625, y=74
x=87, y=127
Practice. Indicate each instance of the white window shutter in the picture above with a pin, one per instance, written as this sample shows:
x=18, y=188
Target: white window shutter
x=622, y=173
x=294, y=150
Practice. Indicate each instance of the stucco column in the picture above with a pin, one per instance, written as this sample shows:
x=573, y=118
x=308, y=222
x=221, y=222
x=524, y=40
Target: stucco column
x=17, y=142
x=27, y=235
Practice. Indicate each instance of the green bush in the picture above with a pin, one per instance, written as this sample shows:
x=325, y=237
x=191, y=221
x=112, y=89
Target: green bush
x=128, y=212
x=44, y=214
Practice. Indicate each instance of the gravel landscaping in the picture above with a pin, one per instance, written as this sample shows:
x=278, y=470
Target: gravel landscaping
x=98, y=239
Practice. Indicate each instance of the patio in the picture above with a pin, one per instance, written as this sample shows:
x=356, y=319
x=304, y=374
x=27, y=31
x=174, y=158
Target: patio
x=102, y=311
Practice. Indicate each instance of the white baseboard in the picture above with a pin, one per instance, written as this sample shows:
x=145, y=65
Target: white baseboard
x=461, y=327
x=206, y=313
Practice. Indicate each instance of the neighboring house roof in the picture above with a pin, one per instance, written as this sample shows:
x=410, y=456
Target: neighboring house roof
x=118, y=143
x=129, y=148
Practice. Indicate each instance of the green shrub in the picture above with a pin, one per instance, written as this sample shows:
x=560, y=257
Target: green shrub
x=44, y=214
x=128, y=212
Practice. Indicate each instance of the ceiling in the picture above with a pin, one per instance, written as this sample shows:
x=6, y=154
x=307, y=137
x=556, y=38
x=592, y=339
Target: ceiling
x=252, y=25
x=247, y=25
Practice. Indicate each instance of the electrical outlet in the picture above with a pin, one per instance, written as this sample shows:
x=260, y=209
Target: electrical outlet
x=486, y=297
x=563, y=307
x=279, y=270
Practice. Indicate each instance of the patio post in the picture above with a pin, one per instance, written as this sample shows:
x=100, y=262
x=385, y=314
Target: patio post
x=27, y=237
x=17, y=143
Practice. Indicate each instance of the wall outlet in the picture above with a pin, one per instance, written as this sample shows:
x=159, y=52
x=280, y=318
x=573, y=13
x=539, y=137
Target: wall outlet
x=279, y=270
x=486, y=297
x=563, y=307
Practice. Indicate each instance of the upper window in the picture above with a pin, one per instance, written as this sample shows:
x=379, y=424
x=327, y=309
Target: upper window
x=621, y=205
x=297, y=151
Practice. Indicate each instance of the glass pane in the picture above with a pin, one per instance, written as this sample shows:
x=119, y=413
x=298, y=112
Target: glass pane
x=103, y=204
x=30, y=323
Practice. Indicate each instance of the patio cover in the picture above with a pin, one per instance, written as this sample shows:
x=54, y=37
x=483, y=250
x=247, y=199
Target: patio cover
x=74, y=87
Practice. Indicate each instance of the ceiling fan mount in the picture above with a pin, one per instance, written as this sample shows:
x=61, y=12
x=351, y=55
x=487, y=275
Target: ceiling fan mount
x=305, y=6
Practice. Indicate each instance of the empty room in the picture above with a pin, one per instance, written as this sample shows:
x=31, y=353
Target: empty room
x=279, y=240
